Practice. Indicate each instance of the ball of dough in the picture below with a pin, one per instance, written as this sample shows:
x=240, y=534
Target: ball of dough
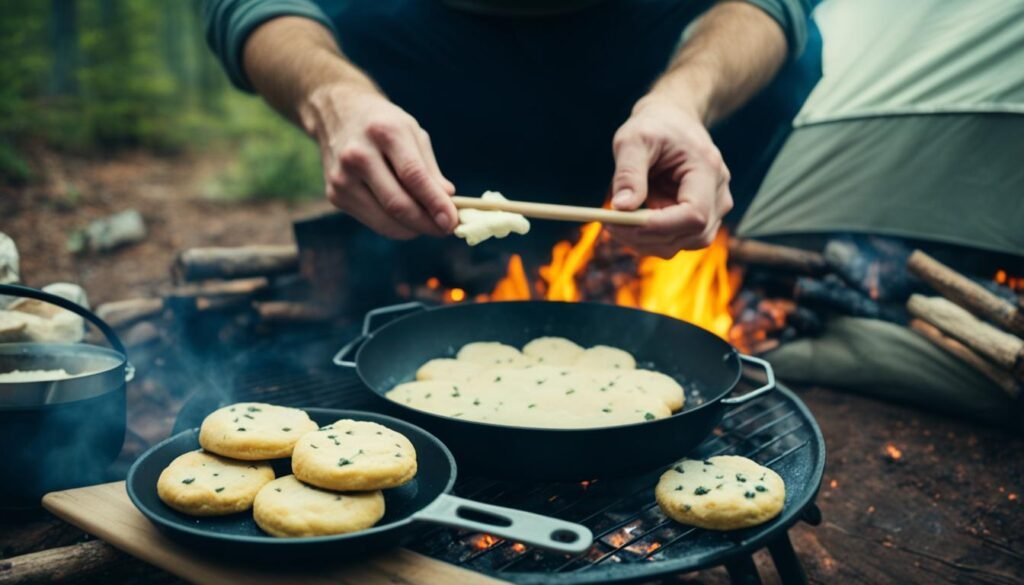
x=603, y=357
x=553, y=351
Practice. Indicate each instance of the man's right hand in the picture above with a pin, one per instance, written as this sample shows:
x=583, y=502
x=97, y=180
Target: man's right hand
x=378, y=163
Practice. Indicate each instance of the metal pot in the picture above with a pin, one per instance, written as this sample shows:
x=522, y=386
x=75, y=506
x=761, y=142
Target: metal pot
x=64, y=433
x=708, y=368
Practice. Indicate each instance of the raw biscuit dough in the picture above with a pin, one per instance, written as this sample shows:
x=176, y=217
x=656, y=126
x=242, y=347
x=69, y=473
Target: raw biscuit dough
x=478, y=225
x=544, y=386
x=489, y=353
x=556, y=351
x=448, y=369
x=722, y=493
x=286, y=507
x=603, y=357
x=254, y=431
x=350, y=455
x=203, y=484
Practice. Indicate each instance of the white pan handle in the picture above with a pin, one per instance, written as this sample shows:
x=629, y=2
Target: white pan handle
x=525, y=527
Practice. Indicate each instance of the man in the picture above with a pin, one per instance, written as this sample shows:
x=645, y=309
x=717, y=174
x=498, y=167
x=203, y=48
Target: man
x=409, y=98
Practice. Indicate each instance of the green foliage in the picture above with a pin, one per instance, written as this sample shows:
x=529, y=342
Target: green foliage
x=276, y=161
x=143, y=78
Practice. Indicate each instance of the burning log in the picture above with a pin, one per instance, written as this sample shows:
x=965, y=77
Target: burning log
x=121, y=314
x=753, y=252
x=1000, y=377
x=203, y=263
x=966, y=293
x=876, y=267
x=1005, y=350
x=831, y=292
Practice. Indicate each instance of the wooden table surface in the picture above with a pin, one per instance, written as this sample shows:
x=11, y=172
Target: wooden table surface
x=908, y=498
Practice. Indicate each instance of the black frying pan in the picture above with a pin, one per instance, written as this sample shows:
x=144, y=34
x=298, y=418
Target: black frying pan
x=706, y=366
x=424, y=499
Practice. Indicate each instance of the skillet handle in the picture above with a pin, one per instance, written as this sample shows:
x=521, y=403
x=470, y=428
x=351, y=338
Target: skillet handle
x=341, y=358
x=517, y=525
x=768, y=386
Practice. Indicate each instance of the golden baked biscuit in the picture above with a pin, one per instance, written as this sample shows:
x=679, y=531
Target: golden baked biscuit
x=254, y=431
x=287, y=507
x=721, y=493
x=203, y=484
x=351, y=455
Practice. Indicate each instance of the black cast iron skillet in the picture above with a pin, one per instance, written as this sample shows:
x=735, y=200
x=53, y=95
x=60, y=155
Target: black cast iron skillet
x=424, y=499
x=706, y=366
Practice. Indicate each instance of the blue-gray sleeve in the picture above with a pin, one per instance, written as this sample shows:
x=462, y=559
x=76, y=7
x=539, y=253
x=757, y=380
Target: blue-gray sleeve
x=792, y=16
x=228, y=24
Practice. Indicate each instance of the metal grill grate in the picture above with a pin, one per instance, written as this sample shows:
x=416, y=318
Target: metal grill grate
x=633, y=538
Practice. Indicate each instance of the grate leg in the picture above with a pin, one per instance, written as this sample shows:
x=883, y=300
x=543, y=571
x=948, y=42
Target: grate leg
x=743, y=571
x=791, y=572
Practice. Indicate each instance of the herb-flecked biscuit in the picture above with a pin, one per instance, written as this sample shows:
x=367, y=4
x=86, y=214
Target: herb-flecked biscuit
x=553, y=351
x=489, y=353
x=603, y=357
x=203, y=484
x=351, y=455
x=287, y=507
x=722, y=493
x=448, y=369
x=254, y=431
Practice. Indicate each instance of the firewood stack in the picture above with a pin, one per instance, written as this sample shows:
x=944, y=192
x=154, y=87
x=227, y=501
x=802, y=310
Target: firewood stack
x=969, y=322
x=233, y=291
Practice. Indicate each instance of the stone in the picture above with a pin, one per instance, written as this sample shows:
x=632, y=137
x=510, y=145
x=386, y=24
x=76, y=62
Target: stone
x=45, y=322
x=120, y=229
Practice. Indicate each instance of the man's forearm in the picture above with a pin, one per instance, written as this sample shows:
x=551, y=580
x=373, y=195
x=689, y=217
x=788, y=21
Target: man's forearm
x=288, y=59
x=732, y=52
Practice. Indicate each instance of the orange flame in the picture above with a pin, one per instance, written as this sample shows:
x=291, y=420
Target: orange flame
x=694, y=286
x=483, y=541
x=893, y=452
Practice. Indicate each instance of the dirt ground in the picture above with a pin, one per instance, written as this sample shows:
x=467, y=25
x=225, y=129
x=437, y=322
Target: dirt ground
x=166, y=191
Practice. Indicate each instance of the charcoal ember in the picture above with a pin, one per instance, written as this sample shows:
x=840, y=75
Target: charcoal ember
x=745, y=300
x=874, y=265
x=806, y=321
x=832, y=292
x=771, y=283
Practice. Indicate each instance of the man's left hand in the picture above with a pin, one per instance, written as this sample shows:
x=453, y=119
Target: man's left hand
x=664, y=156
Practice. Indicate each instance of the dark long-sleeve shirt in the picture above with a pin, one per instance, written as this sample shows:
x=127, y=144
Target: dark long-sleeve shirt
x=229, y=22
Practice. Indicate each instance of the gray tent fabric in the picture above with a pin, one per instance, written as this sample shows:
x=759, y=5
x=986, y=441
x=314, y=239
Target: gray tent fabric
x=916, y=128
x=889, y=361
x=951, y=178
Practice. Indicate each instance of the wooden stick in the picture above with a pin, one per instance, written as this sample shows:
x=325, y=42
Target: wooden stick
x=773, y=255
x=202, y=263
x=243, y=287
x=967, y=293
x=555, y=211
x=62, y=564
x=1000, y=377
x=1004, y=349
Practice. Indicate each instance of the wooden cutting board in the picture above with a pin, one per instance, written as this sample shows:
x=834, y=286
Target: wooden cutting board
x=106, y=512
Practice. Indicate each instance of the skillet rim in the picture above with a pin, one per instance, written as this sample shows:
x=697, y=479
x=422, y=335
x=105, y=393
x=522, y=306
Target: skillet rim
x=181, y=527
x=730, y=351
